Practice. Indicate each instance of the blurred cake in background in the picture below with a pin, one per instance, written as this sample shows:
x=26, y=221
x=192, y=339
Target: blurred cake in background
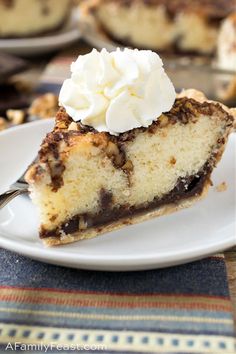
x=227, y=44
x=25, y=18
x=226, y=58
x=185, y=25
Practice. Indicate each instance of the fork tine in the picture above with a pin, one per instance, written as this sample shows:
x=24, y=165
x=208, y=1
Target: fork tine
x=21, y=181
x=19, y=185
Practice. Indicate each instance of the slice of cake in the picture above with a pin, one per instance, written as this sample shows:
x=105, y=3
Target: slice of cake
x=180, y=25
x=124, y=149
x=26, y=18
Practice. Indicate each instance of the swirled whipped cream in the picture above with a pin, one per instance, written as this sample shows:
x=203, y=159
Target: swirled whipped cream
x=118, y=91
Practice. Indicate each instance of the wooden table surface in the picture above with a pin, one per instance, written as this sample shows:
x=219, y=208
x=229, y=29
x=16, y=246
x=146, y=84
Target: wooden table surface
x=231, y=269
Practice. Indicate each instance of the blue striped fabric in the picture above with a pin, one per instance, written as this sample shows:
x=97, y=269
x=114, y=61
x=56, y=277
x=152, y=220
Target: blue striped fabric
x=164, y=305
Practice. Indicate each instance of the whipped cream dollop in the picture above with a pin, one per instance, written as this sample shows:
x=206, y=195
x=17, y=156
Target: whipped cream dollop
x=118, y=91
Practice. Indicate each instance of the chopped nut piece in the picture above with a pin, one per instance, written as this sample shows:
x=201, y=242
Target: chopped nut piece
x=222, y=187
x=172, y=160
x=21, y=84
x=128, y=166
x=233, y=112
x=61, y=125
x=73, y=126
x=82, y=223
x=126, y=193
x=191, y=93
x=163, y=120
x=118, y=160
x=45, y=106
x=112, y=149
x=16, y=116
x=3, y=123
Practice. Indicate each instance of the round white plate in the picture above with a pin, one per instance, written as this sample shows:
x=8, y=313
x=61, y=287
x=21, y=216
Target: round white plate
x=206, y=228
x=43, y=44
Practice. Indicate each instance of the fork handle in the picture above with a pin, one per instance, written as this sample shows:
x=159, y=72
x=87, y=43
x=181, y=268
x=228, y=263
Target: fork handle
x=6, y=197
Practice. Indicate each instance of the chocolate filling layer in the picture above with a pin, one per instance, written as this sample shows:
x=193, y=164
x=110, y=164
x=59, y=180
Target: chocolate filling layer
x=185, y=188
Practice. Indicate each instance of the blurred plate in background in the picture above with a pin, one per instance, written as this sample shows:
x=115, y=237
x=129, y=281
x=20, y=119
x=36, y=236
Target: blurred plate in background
x=43, y=44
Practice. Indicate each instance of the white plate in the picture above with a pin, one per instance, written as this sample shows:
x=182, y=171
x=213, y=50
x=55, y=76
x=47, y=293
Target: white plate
x=44, y=44
x=208, y=227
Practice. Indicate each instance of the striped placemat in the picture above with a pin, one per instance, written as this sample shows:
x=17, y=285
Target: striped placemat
x=184, y=309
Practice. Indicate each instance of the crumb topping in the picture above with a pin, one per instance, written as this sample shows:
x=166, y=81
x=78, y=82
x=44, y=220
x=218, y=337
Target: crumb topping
x=66, y=131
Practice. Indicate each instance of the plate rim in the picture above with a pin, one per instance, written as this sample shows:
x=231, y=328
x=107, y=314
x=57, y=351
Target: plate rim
x=25, y=126
x=114, y=263
x=41, y=41
x=70, y=31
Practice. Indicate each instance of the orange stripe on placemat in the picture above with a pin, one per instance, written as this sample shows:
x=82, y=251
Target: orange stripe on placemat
x=117, y=295
x=110, y=304
x=24, y=296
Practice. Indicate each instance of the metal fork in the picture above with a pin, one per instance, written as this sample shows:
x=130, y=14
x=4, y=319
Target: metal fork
x=18, y=188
